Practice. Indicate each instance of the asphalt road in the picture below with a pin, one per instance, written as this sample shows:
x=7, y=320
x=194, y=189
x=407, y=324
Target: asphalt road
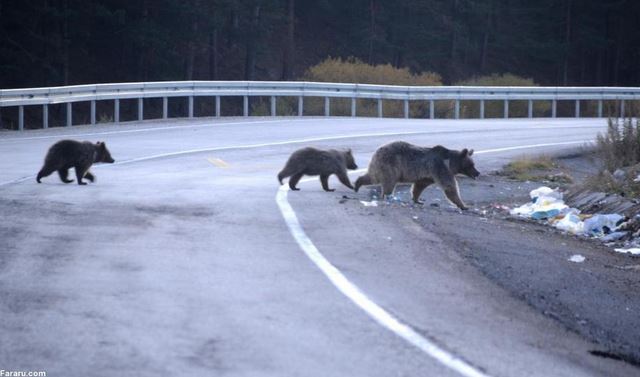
x=178, y=260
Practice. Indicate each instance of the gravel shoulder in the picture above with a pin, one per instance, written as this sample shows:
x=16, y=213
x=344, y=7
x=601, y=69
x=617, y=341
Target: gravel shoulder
x=597, y=298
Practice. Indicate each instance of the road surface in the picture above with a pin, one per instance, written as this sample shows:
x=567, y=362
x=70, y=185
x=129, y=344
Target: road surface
x=183, y=259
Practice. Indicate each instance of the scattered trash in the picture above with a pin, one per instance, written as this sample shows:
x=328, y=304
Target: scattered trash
x=577, y=258
x=599, y=225
x=571, y=223
x=632, y=251
x=415, y=217
x=434, y=205
x=547, y=204
x=615, y=236
x=389, y=238
x=373, y=203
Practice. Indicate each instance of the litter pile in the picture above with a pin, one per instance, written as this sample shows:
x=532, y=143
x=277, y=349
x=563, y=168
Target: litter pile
x=547, y=204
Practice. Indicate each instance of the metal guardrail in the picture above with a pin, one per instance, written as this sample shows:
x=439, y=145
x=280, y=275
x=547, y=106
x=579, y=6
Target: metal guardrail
x=190, y=89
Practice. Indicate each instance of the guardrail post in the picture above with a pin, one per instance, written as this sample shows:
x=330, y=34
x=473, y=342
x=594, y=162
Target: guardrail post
x=353, y=106
x=93, y=112
x=554, y=108
x=116, y=111
x=300, y=106
x=273, y=106
x=379, y=107
x=45, y=116
x=406, y=108
x=432, y=109
x=621, y=108
x=217, y=106
x=530, y=109
x=190, y=106
x=481, y=109
x=140, y=109
x=599, y=108
x=69, y=114
x=21, y=118
x=506, y=108
x=577, y=108
x=165, y=108
x=327, y=106
x=456, y=107
x=245, y=106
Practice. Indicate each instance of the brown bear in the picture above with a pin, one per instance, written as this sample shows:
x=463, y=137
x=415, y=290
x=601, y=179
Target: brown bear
x=67, y=154
x=399, y=162
x=312, y=161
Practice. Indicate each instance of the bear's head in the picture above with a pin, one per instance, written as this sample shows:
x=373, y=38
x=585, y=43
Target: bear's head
x=351, y=162
x=103, y=154
x=461, y=163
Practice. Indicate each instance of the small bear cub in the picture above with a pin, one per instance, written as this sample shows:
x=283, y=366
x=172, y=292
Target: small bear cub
x=66, y=154
x=312, y=161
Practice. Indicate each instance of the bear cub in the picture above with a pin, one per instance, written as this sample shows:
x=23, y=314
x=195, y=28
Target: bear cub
x=312, y=161
x=66, y=154
x=401, y=162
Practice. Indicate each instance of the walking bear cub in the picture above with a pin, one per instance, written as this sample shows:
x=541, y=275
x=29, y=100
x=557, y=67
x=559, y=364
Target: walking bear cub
x=67, y=154
x=399, y=162
x=312, y=161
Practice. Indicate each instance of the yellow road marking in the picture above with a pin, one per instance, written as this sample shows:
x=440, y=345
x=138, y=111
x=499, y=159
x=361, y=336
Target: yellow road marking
x=218, y=162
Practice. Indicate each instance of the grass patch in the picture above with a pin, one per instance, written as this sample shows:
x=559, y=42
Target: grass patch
x=540, y=168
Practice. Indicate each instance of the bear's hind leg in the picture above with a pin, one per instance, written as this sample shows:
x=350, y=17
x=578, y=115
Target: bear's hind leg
x=64, y=174
x=45, y=171
x=324, y=179
x=293, y=181
x=387, y=188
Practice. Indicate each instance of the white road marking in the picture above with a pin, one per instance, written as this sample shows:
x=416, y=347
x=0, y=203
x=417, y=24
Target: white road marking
x=151, y=129
x=353, y=293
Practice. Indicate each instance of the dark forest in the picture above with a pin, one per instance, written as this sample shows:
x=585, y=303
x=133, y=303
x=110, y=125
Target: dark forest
x=554, y=42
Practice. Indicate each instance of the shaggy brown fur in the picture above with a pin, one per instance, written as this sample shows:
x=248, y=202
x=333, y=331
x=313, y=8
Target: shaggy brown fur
x=67, y=154
x=400, y=162
x=312, y=161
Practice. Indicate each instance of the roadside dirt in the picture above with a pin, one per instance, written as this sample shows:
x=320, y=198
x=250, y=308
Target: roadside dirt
x=597, y=298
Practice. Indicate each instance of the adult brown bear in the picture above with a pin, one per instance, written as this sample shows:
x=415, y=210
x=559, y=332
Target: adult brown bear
x=401, y=162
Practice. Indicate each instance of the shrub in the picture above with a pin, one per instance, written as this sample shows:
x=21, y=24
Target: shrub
x=620, y=146
x=495, y=109
x=355, y=71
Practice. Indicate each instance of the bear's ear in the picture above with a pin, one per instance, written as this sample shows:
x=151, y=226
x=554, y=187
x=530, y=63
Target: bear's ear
x=470, y=152
x=464, y=152
x=349, y=150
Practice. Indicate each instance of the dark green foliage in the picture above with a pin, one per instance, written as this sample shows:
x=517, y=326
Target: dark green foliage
x=554, y=42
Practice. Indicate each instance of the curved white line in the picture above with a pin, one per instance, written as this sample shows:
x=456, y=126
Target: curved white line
x=353, y=293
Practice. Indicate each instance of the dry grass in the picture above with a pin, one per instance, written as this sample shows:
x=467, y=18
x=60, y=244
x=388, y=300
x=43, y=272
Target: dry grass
x=353, y=70
x=495, y=109
x=540, y=168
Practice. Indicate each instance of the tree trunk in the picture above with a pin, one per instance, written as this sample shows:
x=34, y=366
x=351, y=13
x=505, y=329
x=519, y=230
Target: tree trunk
x=250, y=60
x=191, y=53
x=567, y=45
x=485, y=41
x=289, y=49
x=213, y=54
x=65, y=42
x=372, y=29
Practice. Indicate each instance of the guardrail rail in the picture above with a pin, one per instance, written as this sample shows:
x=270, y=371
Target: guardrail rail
x=139, y=91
